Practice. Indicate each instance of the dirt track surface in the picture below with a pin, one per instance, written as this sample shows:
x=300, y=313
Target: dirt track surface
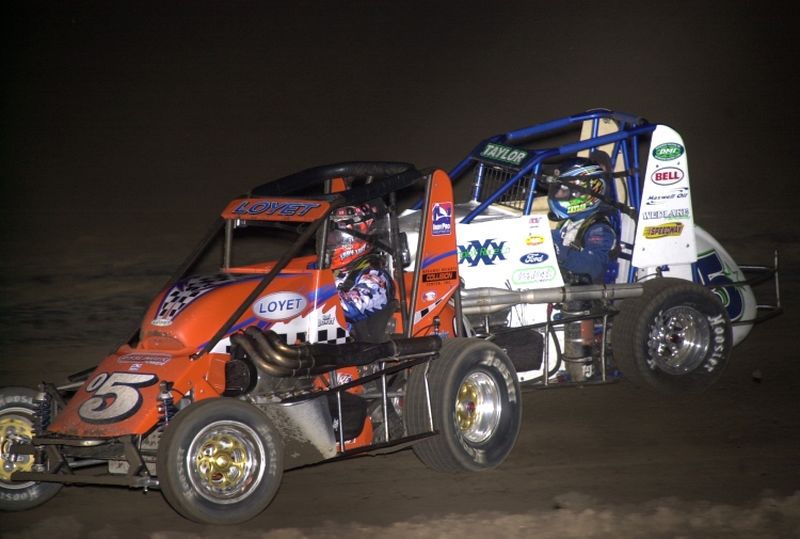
x=127, y=127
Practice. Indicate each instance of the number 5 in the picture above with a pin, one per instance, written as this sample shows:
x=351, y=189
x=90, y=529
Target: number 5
x=115, y=396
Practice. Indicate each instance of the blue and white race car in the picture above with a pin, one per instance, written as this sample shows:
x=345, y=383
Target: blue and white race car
x=666, y=303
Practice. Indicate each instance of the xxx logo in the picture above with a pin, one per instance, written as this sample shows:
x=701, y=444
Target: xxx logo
x=476, y=252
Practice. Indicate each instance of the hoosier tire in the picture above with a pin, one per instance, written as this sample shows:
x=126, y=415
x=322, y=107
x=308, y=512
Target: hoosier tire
x=16, y=425
x=676, y=337
x=220, y=461
x=476, y=407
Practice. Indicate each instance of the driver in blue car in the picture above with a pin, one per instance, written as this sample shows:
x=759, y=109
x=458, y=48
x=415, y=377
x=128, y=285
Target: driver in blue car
x=584, y=238
x=584, y=242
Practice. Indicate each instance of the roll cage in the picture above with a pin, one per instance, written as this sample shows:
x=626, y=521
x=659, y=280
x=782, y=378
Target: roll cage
x=510, y=168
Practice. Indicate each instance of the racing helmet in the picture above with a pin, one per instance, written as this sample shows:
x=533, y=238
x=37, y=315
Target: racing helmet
x=350, y=230
x=578, y=198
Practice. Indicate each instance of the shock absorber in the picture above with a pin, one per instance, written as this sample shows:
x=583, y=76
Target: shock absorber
x=166, y=406
x=577, y=344
x=43, y=403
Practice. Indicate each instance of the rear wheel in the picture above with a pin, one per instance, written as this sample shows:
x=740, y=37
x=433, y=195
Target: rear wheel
x=676, y=337
x=475, y=403
x=17, y=410
x=220, y=462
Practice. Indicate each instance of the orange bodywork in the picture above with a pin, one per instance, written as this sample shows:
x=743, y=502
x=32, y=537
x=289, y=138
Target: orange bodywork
x=121, y=397
x=438, y=264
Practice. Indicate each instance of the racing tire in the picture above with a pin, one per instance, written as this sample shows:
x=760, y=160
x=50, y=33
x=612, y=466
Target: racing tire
x=676, y=337
x=476, y=407
x=220, y=461
x=17, y=421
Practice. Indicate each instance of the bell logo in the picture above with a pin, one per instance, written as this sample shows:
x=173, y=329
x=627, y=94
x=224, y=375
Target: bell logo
x=667, y=176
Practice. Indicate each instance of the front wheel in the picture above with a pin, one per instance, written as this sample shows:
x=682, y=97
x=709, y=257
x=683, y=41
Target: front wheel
x=676, y=337
x=476, y=406
x=220, y=462
x=17, y=410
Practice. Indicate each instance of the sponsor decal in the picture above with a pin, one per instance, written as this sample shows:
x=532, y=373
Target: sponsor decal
x=279, y=306
x=534, y=220
x=667, y=176
x=663, y=231
x=429, y=296
x=438, y=276
x=135, y=367
x=720, y=342
x=533, y=258
x=151, y=358
x=442, y=217
x=486, y=252
x=326, y=319
x=273, y=207
x=679, y=213
x=533, y=239
x=677, y=193
x=503, y=154
x=668, y=151
x=344, y=255
x=542, y=274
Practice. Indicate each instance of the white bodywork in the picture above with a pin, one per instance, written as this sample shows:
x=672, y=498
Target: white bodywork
x=501, y=248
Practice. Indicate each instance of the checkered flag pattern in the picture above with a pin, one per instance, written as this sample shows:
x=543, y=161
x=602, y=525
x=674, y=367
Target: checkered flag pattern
x=328, y=335
x=419, y=315
x=185, y=292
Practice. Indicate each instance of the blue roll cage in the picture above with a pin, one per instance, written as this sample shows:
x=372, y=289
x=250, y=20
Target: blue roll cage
x=625, y=142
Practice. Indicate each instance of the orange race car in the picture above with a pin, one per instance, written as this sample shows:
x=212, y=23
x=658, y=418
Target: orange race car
x=288, y=355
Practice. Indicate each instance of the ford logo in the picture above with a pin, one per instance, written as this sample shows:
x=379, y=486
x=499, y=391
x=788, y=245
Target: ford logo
x=533, y=258
x=279, y=306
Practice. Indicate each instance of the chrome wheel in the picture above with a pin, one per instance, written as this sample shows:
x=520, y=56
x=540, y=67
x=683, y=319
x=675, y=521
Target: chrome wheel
x=226, y=461
x=679, y=340
x=478, y=407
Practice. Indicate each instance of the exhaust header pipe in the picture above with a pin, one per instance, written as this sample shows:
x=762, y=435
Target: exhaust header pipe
x=488, y=300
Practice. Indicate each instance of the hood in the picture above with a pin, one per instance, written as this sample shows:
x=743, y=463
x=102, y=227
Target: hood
x=190, y=312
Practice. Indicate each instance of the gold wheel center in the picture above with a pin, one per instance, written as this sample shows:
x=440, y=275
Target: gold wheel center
x=466, y=406
x=222, y=462
x=14, y=429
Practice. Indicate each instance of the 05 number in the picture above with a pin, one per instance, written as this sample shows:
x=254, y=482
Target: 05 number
x=115, y=396
x=711, y=270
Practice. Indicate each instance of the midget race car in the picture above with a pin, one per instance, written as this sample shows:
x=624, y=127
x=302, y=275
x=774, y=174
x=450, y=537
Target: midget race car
x=239, y=374
x=688, y=302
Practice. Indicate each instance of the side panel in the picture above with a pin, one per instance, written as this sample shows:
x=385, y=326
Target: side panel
x=716, y=266
x=512, y=253
x=121, y=395
x=665, y=232
x=438, y=262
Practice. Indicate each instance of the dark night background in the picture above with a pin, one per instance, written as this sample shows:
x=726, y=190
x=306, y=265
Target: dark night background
x=133, y=107
x=127, y=125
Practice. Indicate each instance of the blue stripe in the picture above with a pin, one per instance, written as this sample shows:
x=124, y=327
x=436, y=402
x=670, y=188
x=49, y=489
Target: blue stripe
x=433, y=260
